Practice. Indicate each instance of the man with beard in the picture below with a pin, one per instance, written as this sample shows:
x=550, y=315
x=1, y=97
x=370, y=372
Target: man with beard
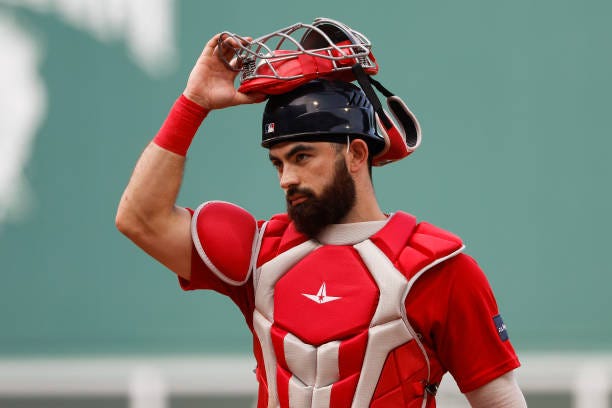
x=348, y=305
x=309, y=212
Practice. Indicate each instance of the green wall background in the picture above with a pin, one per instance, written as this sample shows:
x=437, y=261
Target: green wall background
x=514, y=101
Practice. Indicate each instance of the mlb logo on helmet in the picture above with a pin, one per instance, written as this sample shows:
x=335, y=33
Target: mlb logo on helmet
x=270, y=128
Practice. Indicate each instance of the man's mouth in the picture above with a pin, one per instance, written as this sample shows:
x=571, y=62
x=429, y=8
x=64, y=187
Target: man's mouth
x=296, y=199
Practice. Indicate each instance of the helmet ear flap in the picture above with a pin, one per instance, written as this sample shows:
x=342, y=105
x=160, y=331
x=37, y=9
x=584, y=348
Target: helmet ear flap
x=400, y=140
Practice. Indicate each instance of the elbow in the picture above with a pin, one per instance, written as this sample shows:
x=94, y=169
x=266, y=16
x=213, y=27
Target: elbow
x=127, y=223
x=137, y=225
x=122, y=222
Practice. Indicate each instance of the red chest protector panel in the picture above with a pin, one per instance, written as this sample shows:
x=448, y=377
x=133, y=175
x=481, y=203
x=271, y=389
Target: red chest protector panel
x=314, y=298
x=330, y=318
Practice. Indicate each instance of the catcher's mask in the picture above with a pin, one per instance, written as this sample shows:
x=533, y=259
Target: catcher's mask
x=290, y=58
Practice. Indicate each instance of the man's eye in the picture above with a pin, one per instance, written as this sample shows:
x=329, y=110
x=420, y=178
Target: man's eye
x=300, y=157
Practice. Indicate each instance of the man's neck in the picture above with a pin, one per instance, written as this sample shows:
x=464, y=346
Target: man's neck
x=366, y=208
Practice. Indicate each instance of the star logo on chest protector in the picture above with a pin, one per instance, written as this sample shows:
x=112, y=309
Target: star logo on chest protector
x=321, y=296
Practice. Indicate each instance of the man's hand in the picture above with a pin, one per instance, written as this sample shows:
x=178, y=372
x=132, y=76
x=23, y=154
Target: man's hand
x=211, y=82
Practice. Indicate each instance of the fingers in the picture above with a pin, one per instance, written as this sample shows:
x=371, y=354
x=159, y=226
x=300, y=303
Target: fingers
x=210, y=46
x=230, y=50
x=252, y=97
x=229, y=44
x=226, y=48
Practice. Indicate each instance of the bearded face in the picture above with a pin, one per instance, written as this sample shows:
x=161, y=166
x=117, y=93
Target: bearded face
x=315, y=212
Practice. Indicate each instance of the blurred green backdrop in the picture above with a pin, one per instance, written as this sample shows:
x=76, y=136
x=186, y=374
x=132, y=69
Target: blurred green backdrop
x=513, y=98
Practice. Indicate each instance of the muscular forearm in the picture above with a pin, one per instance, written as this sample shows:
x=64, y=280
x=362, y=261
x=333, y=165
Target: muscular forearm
x=148, y=201
x=147, y=211
x=147, y=204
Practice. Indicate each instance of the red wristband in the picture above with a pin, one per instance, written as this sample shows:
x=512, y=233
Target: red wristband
x=180, y=126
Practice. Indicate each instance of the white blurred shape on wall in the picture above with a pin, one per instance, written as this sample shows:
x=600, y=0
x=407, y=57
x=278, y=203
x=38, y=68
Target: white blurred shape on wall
x=23, y=103
x=146, y=26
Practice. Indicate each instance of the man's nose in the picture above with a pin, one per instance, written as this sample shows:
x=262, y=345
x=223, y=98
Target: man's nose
x=288, y=178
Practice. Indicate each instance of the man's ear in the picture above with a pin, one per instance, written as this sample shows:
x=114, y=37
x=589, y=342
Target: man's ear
x=358, y=155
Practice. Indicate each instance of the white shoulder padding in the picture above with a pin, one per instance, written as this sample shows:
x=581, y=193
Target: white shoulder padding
x=225, y=236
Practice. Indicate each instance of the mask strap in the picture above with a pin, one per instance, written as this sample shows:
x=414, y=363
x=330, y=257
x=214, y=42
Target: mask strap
x=366, y=86
x=348, y=144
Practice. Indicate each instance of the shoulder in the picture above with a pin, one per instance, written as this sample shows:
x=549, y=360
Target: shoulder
x=277, y=235
x=457, y=279
x=415, y=247
x=231, y=241
x=464, y=276
x=451, y=274
x=462, y=265
x=224, y=236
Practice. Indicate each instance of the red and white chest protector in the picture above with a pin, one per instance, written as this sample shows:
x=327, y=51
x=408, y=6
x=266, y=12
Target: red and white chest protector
x=330, y=321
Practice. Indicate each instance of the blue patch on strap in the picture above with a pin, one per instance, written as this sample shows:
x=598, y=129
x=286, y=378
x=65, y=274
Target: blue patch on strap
x=501, y=327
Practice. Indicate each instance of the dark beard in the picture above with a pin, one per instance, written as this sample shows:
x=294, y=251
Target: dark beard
x=334, y=203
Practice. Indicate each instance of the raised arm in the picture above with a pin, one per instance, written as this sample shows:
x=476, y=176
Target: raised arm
x=147, y=213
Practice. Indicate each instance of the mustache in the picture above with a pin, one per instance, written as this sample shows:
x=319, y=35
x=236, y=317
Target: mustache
x=294, y=191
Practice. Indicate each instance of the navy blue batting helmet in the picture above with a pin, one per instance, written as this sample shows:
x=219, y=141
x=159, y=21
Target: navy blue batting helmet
x=321, y=110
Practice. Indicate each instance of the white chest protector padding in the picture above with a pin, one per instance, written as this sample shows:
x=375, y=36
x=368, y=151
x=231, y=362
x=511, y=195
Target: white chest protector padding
x=225, y=236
